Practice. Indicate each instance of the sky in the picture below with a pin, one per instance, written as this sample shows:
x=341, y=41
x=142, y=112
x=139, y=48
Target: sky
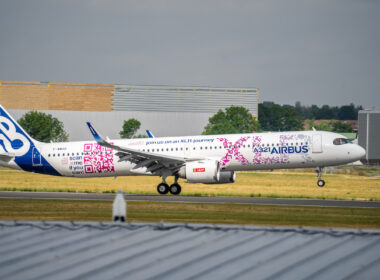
x=316, y=52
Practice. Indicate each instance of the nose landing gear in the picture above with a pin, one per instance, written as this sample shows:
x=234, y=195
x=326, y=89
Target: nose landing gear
x=320, y=182
x=164, y=188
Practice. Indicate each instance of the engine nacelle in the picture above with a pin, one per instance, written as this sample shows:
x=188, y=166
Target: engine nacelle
x=226, y=177
x=206, y=172
x=202, y=171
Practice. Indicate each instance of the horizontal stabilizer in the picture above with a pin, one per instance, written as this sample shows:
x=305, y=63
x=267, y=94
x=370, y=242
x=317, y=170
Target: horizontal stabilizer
x=6, y=156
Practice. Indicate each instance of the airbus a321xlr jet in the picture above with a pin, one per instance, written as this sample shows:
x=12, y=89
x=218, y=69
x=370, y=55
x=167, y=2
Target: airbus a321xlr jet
x=212, y=159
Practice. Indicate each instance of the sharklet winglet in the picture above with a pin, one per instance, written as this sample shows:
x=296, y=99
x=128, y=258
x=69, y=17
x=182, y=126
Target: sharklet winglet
x=98, y=138
x=150, y=135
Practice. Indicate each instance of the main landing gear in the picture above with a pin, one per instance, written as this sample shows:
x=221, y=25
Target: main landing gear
x=320, y=182
x=164, y=188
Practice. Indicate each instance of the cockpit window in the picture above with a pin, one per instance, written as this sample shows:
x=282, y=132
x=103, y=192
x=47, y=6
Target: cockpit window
x=341, y=141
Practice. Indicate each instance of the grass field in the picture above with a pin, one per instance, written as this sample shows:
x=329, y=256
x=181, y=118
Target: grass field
x=258, y=184
x=14, y=209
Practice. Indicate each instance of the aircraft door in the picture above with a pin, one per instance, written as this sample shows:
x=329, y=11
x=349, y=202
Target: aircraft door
x=36, y=157
x=317, y=143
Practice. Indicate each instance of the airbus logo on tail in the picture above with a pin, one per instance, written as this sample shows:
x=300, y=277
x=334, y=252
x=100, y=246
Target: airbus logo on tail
x=12, y=141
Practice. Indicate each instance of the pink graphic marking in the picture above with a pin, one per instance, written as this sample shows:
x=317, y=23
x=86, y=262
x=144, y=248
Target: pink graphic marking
x=233, y=151
x=259, y=158
x=97, y=159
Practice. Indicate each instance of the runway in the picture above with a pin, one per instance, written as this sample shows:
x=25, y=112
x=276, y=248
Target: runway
x=192, y=199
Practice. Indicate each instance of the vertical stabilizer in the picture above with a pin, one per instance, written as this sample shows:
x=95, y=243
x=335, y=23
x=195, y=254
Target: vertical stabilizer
x=19, y=146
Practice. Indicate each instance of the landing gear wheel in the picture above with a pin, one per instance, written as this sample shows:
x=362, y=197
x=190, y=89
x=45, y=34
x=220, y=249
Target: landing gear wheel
x=320, y=183
x=175, y=189
x=163, y=188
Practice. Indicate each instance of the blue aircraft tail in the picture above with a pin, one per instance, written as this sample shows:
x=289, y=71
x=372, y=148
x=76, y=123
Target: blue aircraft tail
x=16, y=144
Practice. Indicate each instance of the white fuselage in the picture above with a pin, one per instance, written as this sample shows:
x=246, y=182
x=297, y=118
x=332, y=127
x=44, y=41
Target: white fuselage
x=258, y=151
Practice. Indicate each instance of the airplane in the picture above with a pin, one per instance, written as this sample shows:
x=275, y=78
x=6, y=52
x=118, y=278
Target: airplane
x=208, y=159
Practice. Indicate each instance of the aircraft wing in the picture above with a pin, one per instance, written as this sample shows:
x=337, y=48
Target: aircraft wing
x=154, y=163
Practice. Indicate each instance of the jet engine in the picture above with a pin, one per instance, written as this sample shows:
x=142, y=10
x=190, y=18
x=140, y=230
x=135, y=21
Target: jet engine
x=202, y=171
x=206, y=172
x=226, y=177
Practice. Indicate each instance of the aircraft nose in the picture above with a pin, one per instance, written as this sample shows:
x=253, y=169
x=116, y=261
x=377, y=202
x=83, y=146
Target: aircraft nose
x=362, y=152
x=359, y=152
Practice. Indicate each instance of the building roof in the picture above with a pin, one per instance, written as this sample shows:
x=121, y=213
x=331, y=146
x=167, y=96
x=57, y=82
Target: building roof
x=65, y=250
x=370, y=110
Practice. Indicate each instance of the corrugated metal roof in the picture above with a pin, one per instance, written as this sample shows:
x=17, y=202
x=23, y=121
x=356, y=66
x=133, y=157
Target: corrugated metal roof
x=182, y=99
x=64, y=250
x=370, y=110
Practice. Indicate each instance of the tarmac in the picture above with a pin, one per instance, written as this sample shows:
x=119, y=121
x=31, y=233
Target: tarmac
x=192, y=199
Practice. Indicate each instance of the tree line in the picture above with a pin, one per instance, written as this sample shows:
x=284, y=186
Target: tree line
x=276, y=117
x=326, y=112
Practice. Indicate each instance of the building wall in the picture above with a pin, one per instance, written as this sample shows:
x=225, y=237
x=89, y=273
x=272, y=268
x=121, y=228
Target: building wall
x=182, y=99
x=165, y=110
x=369, y=134
x=56, y=96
